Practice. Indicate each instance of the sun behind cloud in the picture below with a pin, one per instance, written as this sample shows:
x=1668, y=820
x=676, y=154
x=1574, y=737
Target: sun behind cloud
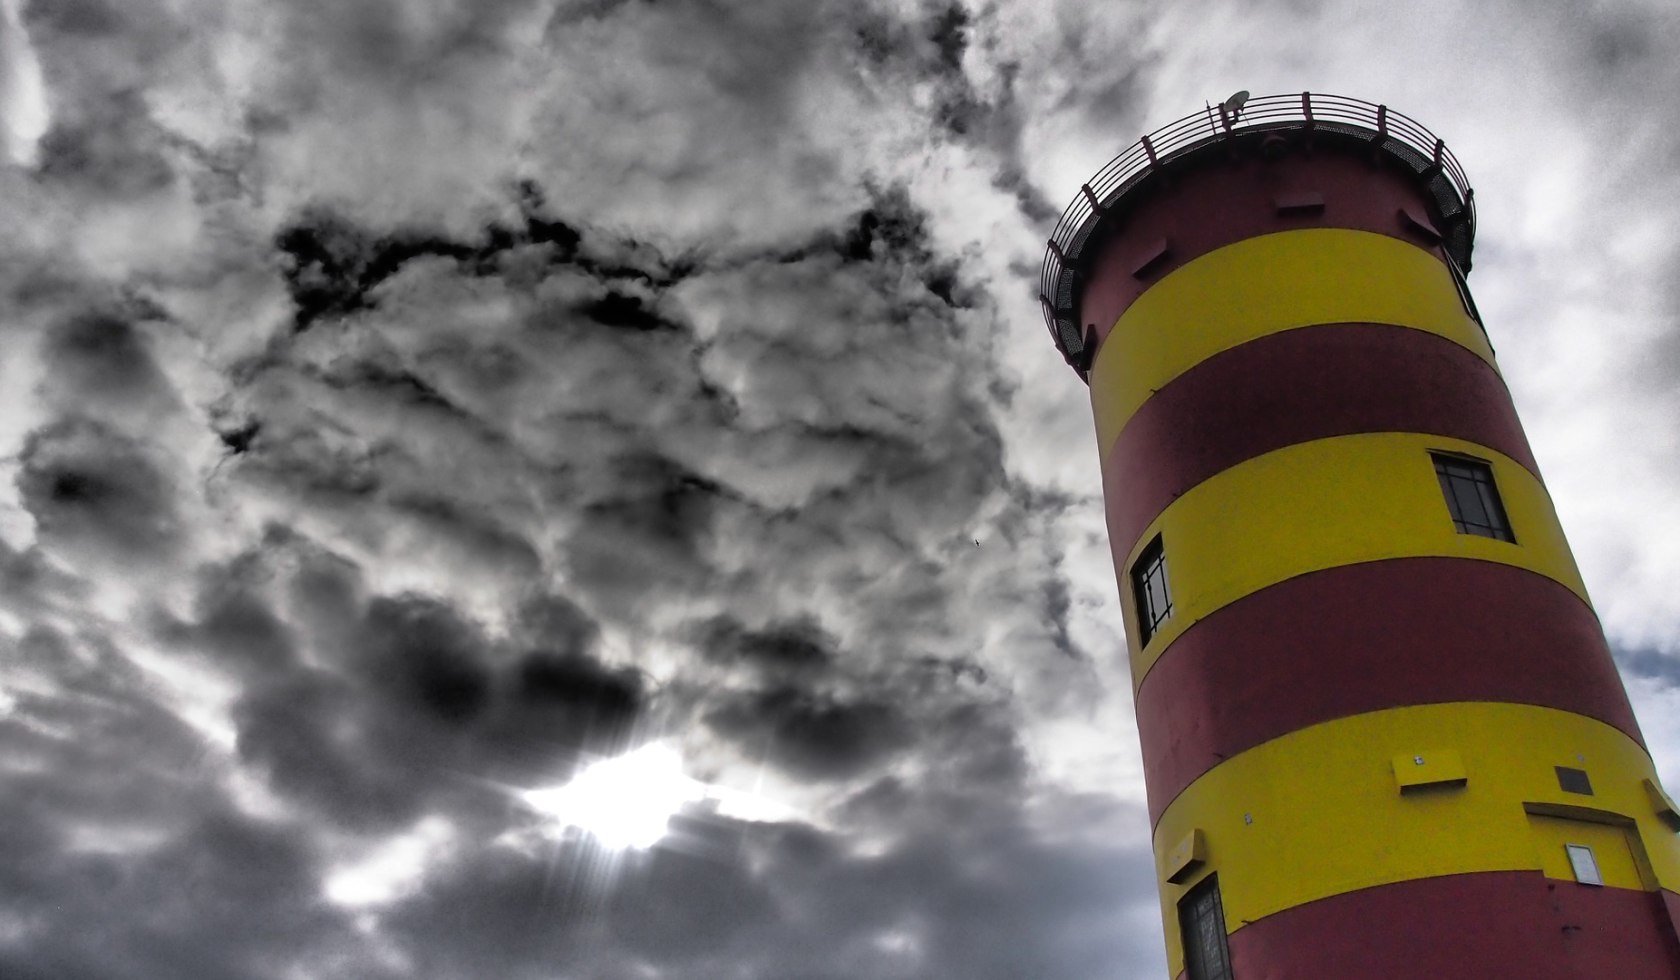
x=626, y=801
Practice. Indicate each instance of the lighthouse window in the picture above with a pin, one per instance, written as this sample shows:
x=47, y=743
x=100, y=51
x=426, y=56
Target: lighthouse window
x=1201, y=920
x=1464, y=297
x=1472, y=497
x=1585, y=866
x=1149, y=587
x=1574, y=780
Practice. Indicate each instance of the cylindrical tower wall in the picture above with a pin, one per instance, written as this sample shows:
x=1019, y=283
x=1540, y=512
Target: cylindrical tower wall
x=1378, y=716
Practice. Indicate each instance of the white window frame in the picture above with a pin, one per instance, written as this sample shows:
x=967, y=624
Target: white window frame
x=1584, y=864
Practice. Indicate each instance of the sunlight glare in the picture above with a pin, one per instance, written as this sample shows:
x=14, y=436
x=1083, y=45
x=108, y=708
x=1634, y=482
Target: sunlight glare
x=623, y=802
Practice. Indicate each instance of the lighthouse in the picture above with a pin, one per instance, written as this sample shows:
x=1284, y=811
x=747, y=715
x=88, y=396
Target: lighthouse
x=1382, y=732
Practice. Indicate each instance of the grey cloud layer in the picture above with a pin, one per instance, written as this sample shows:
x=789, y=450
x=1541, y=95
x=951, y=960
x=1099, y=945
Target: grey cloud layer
x=404, y=404
x=427, y=401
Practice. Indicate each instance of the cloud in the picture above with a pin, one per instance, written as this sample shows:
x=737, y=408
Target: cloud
x=429, y=407
x=812, y=736
x=795, y=646
x=406, y=405
x=98, y=493
x=1648, y=664
x=23, y=108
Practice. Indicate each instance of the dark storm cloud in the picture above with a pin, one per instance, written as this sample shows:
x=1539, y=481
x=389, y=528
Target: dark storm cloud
x=32, y=582
x=688, y=435
x=813, y=736
x=100, y=362
x=423, y=704
x=152, y=870
x=91, y=487
x=989, y=900
x=112, y=148
x=100, y=351
x=333, y=265
x=985, y=899
x=119, y=915
x=796, y=646
x=962, y=885
x=88, y=17
x=556, y=623
x=1650, y=664
x=421, y=651
x=238, y=628
x=650, y=536
x=610, y=699
x=419, y=695
x=473, y=530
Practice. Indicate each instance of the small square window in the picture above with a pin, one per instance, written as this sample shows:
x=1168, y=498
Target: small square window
x=1584, y=864
x=1149, y=587
x=1573, y=780
x=1472, y=497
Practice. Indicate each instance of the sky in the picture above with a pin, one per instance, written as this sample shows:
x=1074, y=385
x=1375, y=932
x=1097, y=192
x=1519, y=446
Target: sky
x=542, y=489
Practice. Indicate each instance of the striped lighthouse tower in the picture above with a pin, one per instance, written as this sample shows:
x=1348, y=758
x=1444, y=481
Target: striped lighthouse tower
x=1382, y=733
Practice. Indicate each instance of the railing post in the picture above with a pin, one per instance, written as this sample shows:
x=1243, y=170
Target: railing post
x=1306, y=108
x=1149, y=151
x=1091, y=198
x=1382, y=122
x=1057, y=251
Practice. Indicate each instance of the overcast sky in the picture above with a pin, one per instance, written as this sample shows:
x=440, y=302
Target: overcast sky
x=407, y=405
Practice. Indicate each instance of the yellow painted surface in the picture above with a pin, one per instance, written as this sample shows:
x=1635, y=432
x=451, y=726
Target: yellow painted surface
x=1185, y=857
x=1265, y=285
x=1323, y=816
x=1661, y=803
x=1328, y=503
x=1609, y=844
x=1429, y=768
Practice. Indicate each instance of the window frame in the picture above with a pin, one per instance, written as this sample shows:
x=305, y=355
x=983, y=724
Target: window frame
x=1202, y=903
x=1152, y=559
x=1461, y=283
x=1581, y=857
x=1487, y=496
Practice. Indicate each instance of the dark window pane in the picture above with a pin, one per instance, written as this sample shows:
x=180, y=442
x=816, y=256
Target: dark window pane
x=1497, y=522
x=1472, y=497
x=1149, y=588
x=1574, y=780
x=1159, y=604
x=1201, y=918
x=1449, y=481
x=1469, y=501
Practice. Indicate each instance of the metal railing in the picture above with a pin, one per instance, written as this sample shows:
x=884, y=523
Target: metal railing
x=1396, y=135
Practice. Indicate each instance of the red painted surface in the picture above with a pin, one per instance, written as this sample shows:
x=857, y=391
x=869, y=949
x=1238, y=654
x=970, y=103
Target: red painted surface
x=1293, y=387
x=1218, y=202
x=1491, y=926
x=1671, y=909
x=1365, y=637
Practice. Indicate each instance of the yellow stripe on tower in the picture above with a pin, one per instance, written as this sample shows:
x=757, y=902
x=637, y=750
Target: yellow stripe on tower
x=1266, y=285
x=1328, y=503
x=1319, y=812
